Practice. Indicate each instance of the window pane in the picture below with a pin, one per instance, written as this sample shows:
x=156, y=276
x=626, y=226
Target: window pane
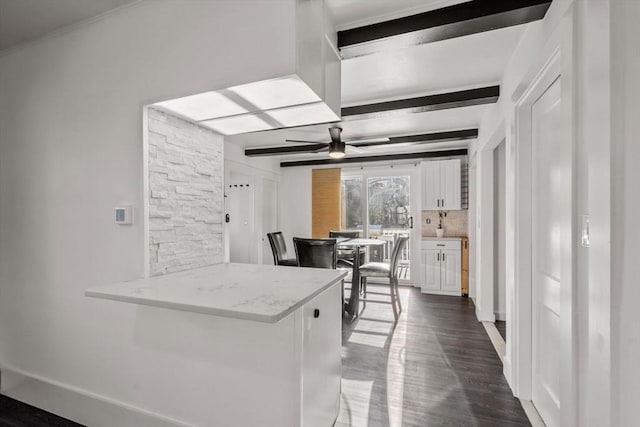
x=352, y=218
x=388, y=204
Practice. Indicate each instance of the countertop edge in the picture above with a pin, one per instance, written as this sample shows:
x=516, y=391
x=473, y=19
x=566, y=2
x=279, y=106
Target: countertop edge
x=93, y=293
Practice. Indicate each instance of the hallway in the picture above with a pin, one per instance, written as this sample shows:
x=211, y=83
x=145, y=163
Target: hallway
x=437, y=368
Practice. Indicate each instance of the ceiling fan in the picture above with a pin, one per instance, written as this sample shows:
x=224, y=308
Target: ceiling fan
x=337, y=146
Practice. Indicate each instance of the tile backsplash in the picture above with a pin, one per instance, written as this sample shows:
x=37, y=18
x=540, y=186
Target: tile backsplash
x=455, y=224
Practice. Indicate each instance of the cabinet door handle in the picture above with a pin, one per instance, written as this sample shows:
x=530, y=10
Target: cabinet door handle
x=438, y=202
x=438, y=256
x=316, y=313
x=443, y=203
x=443, y=256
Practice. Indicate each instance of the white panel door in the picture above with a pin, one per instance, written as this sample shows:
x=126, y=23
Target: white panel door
x=431, y=268
x=450, y=194
x=431, y=186
x=451, y=270
x=551, y=216
x=241, y=215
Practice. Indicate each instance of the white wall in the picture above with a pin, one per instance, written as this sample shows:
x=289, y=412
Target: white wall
x=625, y=208
x=295, y=204
x=71, y=150
x=499, y=295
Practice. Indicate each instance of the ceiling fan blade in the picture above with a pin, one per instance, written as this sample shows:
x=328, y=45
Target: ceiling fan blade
x=365, y=142
x=285, y=149
x=353, y=150
x=302, y=141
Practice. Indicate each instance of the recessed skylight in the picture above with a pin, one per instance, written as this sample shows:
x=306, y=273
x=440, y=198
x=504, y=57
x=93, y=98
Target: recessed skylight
x=203, y=106
x=275, y=93
x=267, y=104
x=300, y=115
x=238, y=124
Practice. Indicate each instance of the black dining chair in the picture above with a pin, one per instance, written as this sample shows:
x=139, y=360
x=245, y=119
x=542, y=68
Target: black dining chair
x=348, y=234
x=279, y=250
x=318, y=253
x=388, y=271
x=345, y=256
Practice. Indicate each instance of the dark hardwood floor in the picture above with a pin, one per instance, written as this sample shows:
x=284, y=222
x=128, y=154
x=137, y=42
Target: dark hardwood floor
x=501, y=326
x=437, y=367
x=18, y=414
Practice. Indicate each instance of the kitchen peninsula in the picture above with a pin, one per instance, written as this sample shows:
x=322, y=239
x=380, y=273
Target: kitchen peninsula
x=234, y=345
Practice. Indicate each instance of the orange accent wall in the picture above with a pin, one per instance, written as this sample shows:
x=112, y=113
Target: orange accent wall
x=325, y=202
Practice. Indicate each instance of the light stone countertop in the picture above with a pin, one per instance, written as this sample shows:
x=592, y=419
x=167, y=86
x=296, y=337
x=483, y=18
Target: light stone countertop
x=262, y=293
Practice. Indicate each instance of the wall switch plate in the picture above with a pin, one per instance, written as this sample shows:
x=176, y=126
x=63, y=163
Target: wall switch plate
x=124, y=215
x=585, y=231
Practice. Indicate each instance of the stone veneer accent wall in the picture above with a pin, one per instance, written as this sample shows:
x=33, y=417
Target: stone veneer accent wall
x=456, y=224
x=186, y=199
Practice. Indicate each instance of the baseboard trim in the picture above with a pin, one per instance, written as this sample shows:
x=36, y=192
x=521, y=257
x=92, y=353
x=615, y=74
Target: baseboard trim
x=532, y=413
x=76, y=404
x=501, y=316
x=496, y=339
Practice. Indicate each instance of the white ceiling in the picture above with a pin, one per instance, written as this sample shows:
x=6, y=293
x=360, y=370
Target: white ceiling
x=392, y=125
x=24, y=20
x=356, y=13
x=462, y=62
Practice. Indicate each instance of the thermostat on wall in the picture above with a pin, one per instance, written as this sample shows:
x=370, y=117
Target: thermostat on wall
x=123, y=215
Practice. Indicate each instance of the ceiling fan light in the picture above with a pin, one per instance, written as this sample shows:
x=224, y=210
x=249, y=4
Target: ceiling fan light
x=336, y=150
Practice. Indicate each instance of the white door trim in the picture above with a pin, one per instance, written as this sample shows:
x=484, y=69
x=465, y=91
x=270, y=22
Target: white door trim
x=557, y=62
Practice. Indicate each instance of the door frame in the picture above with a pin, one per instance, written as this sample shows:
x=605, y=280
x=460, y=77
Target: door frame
x=413, y=170
x=556, y=61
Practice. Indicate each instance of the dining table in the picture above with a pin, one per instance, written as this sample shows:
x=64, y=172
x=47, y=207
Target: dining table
x=352, y=306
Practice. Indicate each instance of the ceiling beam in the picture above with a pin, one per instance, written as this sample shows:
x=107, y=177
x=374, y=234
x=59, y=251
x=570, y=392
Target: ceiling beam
x=459, y=20
x=441, y=101
x=430, y=138
x=285, y=149
x=380, y=158
x=426, y=138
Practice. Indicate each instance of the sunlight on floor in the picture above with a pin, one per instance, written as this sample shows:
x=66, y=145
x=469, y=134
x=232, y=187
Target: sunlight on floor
x=373, y=340
x=396, y=373
x=355, y=401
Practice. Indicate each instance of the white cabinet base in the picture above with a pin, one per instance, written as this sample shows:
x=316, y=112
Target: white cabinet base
x=442, y=266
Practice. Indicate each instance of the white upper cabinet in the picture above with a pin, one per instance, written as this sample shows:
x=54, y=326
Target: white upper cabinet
x=441, y=185
x=431, y=185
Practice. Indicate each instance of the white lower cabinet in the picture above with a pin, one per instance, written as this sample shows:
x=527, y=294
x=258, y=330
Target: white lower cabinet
x=442, y=266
